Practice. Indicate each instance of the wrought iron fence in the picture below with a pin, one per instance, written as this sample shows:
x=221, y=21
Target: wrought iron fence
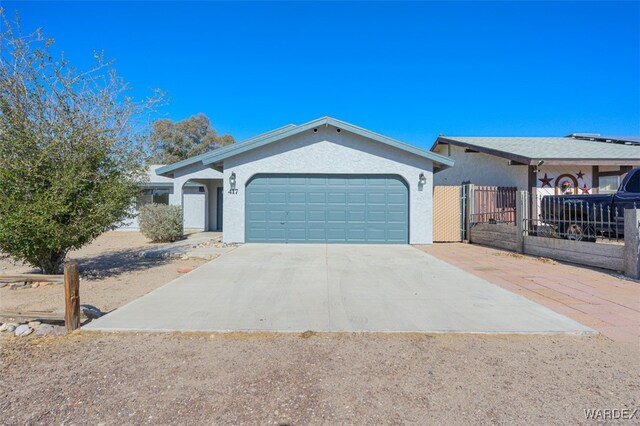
x=494, y=204
x=464, y=208
x=576, y=219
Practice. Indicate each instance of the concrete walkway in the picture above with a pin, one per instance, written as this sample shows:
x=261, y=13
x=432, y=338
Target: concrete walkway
x=385, y=288
x=199, y=245
x=597, y=298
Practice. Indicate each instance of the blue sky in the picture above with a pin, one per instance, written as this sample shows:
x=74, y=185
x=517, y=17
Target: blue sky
x=408, y=70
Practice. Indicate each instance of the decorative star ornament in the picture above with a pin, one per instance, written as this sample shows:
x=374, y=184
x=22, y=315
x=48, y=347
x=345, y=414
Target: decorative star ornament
x=585, y=190
x=546, y=181
x=580, y=174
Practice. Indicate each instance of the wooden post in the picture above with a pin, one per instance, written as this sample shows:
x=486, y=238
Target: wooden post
x=632, y=242
x=522, y=213
x=71, y=296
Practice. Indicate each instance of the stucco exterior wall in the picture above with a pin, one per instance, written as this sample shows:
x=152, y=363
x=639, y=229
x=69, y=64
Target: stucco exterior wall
x=555, y=175
x=329, y=152
x=205, y=215
x=485, y=169
x=199, y=209
x=583, y=176
x=194, y=213
x=193, y=172
x=479, y=169
x=152, y=177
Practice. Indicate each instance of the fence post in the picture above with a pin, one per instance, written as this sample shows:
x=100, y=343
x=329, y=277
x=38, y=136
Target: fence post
x=521, y=217
x=468, y=211
x=71, y=296
x=632, y=242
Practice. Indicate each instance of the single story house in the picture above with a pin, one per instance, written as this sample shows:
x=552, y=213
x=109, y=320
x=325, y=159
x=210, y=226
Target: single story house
x=325, y=181
x=159, y=189
x=575, y=164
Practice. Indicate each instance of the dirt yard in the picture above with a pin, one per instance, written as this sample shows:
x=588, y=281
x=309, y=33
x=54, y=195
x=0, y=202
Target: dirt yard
x=111, y=275
x=92, y=378
x=88, y=378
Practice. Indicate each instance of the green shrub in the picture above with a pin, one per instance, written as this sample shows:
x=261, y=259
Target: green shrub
x=71, y=149
x=160, y=222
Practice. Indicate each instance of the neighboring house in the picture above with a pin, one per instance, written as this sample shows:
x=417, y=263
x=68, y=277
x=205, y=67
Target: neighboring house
x=159, y=189
x=324, y=181
x=625, y=140
x=575, y=164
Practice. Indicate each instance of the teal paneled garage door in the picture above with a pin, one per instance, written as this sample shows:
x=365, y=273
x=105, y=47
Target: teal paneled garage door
x=327, y=209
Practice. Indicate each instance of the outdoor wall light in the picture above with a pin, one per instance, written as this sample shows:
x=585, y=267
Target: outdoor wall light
x=232, y=180
x=422, y=180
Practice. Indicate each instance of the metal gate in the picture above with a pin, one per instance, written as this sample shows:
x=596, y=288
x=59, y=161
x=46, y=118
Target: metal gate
x=447, y=214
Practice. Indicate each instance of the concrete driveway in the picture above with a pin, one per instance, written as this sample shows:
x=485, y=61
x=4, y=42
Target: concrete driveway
x=386, y=288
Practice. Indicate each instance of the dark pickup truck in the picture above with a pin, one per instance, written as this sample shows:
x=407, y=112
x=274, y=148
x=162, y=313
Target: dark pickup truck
x=586, y=217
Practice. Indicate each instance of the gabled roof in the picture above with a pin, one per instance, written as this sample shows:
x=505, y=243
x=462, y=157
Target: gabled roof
x=168, y=184
x=170, y=168
x=164, y=170
x=563, y=150
x=221, y=154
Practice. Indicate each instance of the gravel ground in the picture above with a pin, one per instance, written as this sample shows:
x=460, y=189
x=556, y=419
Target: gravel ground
x=91, y=378
x=111, y=275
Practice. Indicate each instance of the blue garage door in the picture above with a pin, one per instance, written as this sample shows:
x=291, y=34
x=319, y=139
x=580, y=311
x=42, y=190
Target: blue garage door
x=327, y=209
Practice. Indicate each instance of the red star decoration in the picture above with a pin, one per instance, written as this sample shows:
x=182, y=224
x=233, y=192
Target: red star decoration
x=585, y=190
x=580, y=174
x=546, y=181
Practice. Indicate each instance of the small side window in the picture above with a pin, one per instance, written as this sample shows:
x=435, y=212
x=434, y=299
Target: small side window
x=161, y=196
x=146, y=197
x=609, y=184
x=633, y=184
x=154, y=195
